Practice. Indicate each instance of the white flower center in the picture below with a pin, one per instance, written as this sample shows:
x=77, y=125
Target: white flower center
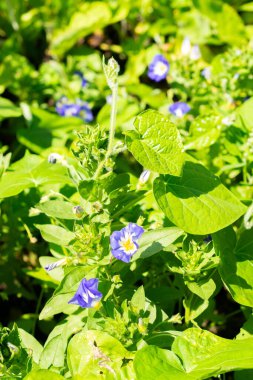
x=179, y=113
x=160, y=68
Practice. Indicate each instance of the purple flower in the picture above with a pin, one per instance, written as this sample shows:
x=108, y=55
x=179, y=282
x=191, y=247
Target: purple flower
x=79, y=109
x=158, y=68
x=124, y=242
x=83, y=79
x=179, y=109
x=87, y=294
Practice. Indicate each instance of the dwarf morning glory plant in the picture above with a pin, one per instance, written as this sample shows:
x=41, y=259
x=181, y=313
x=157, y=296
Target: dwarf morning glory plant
x=179, y=109
x=124, y=242
x=158, y=68
x=87, y=294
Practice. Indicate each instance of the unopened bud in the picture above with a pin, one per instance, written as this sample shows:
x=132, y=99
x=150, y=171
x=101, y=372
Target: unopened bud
x=144, y=177
x=78, y=211
x=53, y=158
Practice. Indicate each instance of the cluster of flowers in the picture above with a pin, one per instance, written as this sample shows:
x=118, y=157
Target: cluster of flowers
x=159, y=67
x=124, y=244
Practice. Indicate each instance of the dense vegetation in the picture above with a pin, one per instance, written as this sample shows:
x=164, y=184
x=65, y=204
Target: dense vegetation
x=126, y=189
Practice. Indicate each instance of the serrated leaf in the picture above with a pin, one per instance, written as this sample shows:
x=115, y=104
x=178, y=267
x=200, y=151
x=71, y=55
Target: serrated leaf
x=197, y=202
x=158, y=145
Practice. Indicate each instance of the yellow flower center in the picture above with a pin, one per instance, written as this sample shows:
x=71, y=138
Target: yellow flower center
x=128, y=245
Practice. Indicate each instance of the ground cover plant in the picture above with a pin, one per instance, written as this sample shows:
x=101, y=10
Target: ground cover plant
x=126, y=189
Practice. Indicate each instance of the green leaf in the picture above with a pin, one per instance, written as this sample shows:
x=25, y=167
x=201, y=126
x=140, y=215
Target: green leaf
x=58, y=303
x=55, y=234
x=204, y=132
x=91, y=16
x=194, y=307
x=204, y=354
x=56, y=344
x=57, y=209
x=244, y=115
x=155, y=241
x=152, y=362
x=236, y=265
x=197, y=202
x=156, y=143
x=8, y=109
x=30, y=344
x=138, y=300
x=43, y=374
x=92, y=353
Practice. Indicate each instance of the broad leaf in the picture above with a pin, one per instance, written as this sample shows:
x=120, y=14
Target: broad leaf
x=156, y=143
x=152, y=362
x=94, y=353
x=197, y=202
x=236, y=266
x=204, y=354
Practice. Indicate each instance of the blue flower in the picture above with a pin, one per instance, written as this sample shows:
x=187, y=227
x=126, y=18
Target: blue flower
x=83, y=79
x=158, y=68
x=87, y=294
x=79, y=109
x=179, y=109
x=124, y=242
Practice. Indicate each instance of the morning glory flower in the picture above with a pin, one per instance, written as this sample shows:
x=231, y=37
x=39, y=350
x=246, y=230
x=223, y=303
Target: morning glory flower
x=179, y=109
x=124, y=242
x=87, y=294
x=83, y=79
x=158, y=68
x=81, y=109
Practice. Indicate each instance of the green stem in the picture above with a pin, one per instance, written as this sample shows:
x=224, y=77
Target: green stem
x=111, y=131
x=37, y=311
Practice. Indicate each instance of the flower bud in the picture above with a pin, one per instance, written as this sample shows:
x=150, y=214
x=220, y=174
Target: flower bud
x=53, y=158
x=78, y=211
x=144, y=177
